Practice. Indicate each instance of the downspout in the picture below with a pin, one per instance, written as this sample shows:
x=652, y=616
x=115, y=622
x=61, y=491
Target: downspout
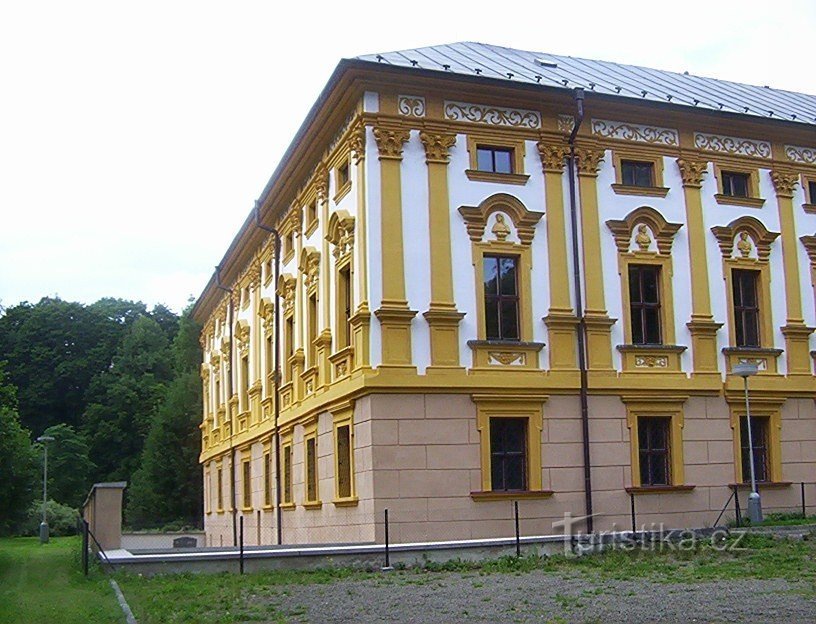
x=229, y=397
x=579, y=312
x=276, y=374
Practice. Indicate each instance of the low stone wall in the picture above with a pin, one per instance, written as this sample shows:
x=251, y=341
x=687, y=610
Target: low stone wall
x=159, y=541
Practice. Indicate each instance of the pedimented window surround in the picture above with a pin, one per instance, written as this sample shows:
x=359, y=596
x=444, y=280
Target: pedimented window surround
x=745, y=243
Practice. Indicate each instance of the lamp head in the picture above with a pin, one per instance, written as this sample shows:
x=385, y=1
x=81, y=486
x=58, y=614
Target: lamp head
x=745, y=369
x=45, y=438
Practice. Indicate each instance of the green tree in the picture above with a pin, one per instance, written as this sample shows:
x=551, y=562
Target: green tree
x=167, y=486
x=123, y=400
x=69, y=466
x=18, y=465
x=55, y=348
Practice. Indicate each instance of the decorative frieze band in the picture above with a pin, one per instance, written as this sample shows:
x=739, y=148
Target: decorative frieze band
x=411, y=105
x=799, y=154
x=732, y=145
x=492, y=115
x=635, y=132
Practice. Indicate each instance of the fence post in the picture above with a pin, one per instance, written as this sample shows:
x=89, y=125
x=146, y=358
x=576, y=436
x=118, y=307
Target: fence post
x=85, y=546
x=387, y=545
x=518, y=535
x=737, y=506
x=634, y=517
x=241, y=538
x=804, y=507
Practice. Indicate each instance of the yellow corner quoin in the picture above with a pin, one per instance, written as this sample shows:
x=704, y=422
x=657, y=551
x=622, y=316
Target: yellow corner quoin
x=411, y=275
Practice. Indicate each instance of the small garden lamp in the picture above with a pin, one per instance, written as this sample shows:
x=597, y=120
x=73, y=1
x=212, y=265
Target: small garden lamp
x=44, y=440
x=746, y=370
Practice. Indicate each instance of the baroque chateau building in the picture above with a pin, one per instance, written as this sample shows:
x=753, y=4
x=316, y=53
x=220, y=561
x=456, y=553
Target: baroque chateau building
x=411, y=272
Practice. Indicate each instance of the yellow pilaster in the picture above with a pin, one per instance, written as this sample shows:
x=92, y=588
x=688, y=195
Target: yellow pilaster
x=598, y=323
x=394, y=315
x=323, y=346
x=702, y=327
x=795, y=331
x=361, y=319
x=561, y=321
x=442, y=316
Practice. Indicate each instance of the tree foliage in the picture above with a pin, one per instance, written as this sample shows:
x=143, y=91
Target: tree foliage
x=167, y=486
x=18, y=474
x=69, y=466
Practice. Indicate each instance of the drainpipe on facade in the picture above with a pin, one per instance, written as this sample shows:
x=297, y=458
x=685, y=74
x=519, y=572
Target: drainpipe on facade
x=229, y=397
x=276, y=374
x=579, y=311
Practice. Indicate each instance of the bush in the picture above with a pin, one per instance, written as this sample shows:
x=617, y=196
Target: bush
x=62, y=520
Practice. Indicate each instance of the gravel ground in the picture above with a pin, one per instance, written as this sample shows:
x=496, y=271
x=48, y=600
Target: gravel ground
x=436, y=598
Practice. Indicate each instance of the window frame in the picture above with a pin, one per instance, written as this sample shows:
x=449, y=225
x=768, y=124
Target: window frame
x=739, y=311
x=311, y=477
x=621, y=155
x=753, y=200
x=644, y=306
x=287, y=471
x=511, y=406
x=764, y=455
x=246, y=481
x=268, y=476
x=343, y=417
x=342, y=183
x=500, y=298
x=505, y=456
x=668, y=407
x=644, y=423
x=770, y=409
x=808, y=181
x=497, y=141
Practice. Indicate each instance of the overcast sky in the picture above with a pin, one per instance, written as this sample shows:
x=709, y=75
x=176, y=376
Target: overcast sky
x=134, y=137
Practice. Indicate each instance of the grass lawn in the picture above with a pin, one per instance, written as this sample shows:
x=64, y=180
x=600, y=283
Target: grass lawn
x=224, y=598
x=44, y=583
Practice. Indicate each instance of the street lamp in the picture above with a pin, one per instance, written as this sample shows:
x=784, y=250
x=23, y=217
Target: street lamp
x=44, y=440
x=746, y=370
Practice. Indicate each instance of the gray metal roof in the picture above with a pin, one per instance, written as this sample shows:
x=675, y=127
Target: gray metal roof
x=615, y=79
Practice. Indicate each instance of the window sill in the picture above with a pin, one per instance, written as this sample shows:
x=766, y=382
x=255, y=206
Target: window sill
x=658, y=489
x=342, y=192
x=751, y=202
x=507, y=354
x=645, y=191
x=520, y=495
x=269, y=507
x=288, y=506
x=287, y=256
x=310, y=228
x=809, y=208
x=246, y=509
x=313, y=505
x=502, y=178
x=762, y=485
x=346, y=502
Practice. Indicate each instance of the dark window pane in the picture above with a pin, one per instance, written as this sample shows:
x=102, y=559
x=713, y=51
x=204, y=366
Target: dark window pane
x=484, y=159
x=735, y=184
x=644, y=304
x=491, y=275
x=635, y=173
x=509, y=320
x=759, y=431
x=508, y=453
x=653, y=447
x=503, y=163
x=746, y=307
x=508, y=276
x=812, y=192
x=492, y=319
x=501, y=298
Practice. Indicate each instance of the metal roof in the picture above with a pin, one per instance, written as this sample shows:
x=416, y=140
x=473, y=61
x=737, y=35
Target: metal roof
x=615, y=79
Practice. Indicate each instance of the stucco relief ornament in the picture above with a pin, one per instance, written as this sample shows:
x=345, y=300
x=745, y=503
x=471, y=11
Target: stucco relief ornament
x=589, y=160
x=552, y=156
x=357, y=142
x=322, y=184
x=692, y=171
x=500, y=229
x=437, y=145
x=390, y=142
x=744, y=245
x=643, y=240
x=784, y=182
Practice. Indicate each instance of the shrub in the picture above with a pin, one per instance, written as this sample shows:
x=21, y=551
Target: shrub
x=62, y=520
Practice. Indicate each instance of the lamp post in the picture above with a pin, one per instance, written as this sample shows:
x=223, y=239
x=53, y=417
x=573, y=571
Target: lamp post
x=746, y=370
x=44, y=440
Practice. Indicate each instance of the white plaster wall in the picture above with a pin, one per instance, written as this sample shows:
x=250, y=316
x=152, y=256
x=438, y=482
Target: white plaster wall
x=371, y=102
x=416, y=246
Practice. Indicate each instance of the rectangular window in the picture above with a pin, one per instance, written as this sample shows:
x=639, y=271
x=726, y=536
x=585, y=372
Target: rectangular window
x=343, y=175
x=245, y=382
x=746, y=307
x=270, y=361
x=653, y=448
x=344, y=461
x=312, y=312
x=311, y=469
x=644, y=303
x=311, y=213
x=246, y=469
x=217, y=390
x=811, y=186
x=759, y=440
x=287, y=473
x=494, y=159
x=344, y=301
x=289, y=340
x=501, y=298
x=637, y=173
x=735, y=184
x=508, y=454
x=267, y=479
x=220, y=486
